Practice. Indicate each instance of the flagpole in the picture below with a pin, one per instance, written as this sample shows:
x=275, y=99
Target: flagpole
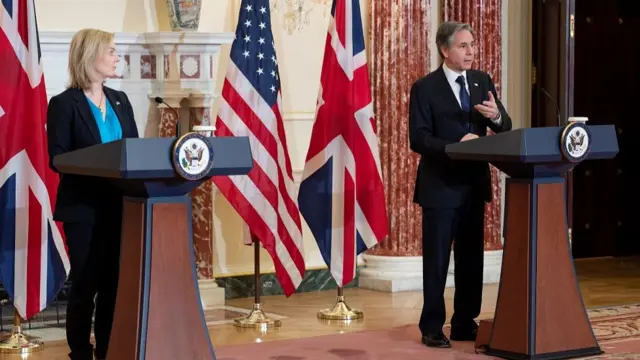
x=257, y=318
x=17, y=342
x=340, y=311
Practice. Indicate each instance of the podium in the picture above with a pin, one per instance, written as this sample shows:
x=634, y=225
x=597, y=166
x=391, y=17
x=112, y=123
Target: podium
x=158, y=313
x=540, y=313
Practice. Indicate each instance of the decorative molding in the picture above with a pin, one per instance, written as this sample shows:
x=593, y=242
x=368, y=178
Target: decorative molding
x=51, y=41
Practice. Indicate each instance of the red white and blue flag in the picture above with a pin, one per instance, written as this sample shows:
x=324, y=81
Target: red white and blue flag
x=341, y=196
x=33, y=260
x=251, y=106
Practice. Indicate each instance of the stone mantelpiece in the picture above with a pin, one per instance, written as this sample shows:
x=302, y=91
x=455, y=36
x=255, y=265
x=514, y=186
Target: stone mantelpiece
x=180, y=67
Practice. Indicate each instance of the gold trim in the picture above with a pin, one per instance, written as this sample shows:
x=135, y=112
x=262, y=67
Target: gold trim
x=572, y=25
x=256, y=319
x=340, y=311
x=18, y=342
x=564, y=132
x=173, y=152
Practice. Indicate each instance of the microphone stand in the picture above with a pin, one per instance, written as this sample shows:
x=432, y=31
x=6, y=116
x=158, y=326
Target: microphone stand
x=546, y=93
x=160, y=100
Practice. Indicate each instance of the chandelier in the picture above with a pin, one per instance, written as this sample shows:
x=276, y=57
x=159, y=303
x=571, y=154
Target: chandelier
x=296, y=13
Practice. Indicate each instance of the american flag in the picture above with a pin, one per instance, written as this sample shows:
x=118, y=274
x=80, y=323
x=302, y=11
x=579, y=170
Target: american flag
x=33, y=261
x=251, y=106
x=341, y=195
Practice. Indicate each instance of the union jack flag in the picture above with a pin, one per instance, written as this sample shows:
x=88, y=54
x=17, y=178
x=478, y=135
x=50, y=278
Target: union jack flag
x=33, y=260
x=341, y=195
x=251, y=106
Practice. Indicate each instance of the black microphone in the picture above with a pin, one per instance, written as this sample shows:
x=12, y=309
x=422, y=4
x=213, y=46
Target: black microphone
x=560, y=122
x=160, y=100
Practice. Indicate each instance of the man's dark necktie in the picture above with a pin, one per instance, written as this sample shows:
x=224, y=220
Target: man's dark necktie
x=465, y=100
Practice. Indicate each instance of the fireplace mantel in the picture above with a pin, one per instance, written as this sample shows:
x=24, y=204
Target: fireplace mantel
x=186, y=41
x=177, y=66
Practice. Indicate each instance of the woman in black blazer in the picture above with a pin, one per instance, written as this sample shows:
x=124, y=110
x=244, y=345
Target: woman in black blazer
x=86, y=114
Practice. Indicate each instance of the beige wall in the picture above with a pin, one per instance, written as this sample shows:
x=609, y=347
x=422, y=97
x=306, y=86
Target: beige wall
x=517, y=60
x=300, y=58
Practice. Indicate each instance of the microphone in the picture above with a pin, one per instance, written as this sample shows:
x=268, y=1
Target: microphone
x=560, y=122
x=160, y=100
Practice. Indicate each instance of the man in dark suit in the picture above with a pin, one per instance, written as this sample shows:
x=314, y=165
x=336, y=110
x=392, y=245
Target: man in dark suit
x=452, y=104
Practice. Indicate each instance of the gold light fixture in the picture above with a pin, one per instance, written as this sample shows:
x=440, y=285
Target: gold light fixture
x=296, y=14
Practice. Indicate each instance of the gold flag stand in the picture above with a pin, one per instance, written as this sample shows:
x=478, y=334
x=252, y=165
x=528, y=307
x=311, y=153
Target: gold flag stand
x=340, y=311
x=257, y=318
x=17, y=342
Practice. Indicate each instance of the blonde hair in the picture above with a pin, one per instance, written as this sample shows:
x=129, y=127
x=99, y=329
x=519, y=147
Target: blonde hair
x=85, y=47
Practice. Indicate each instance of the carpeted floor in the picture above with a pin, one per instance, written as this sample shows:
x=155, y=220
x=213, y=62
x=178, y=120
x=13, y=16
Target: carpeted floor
x=616, y=323
x=617, y=330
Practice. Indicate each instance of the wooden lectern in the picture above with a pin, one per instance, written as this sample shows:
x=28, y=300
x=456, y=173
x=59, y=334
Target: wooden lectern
x=540, y=313
x=159, y=313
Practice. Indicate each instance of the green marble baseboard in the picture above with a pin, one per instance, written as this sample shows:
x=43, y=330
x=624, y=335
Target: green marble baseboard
x=314, y=280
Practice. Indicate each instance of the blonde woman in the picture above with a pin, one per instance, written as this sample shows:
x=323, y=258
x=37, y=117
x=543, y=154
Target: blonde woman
x=86, y=114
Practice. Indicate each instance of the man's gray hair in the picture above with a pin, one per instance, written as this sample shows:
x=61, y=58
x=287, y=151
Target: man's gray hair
x=447, y=32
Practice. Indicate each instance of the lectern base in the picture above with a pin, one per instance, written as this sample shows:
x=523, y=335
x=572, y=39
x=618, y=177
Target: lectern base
x=484, y=334
x=540, y=313
x=158, y=314
x=572, y=354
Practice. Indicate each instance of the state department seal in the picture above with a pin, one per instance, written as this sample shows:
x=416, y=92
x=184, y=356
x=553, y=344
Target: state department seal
x=192, y=156
x=575, y=141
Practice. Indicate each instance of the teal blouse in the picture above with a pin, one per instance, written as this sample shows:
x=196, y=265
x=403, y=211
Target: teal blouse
x=110, y=129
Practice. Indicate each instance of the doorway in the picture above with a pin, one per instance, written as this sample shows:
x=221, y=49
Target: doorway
x=587, y=64
x=606, y=73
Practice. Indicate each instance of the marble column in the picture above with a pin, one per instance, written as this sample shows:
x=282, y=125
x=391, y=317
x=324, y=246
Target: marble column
x=399, y=48
x=202, y=205
x=202, y=210
x=202, y=200
x=485, y=17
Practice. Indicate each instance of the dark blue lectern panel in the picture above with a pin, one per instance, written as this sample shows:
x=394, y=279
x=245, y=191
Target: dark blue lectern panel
x=151, y=158
x=532, y=152
x=143, y=167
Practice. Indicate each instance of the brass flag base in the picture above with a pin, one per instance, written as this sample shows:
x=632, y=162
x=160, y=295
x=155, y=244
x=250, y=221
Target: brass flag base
x=19, y=343
x=256, y=319
x=340, y=311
